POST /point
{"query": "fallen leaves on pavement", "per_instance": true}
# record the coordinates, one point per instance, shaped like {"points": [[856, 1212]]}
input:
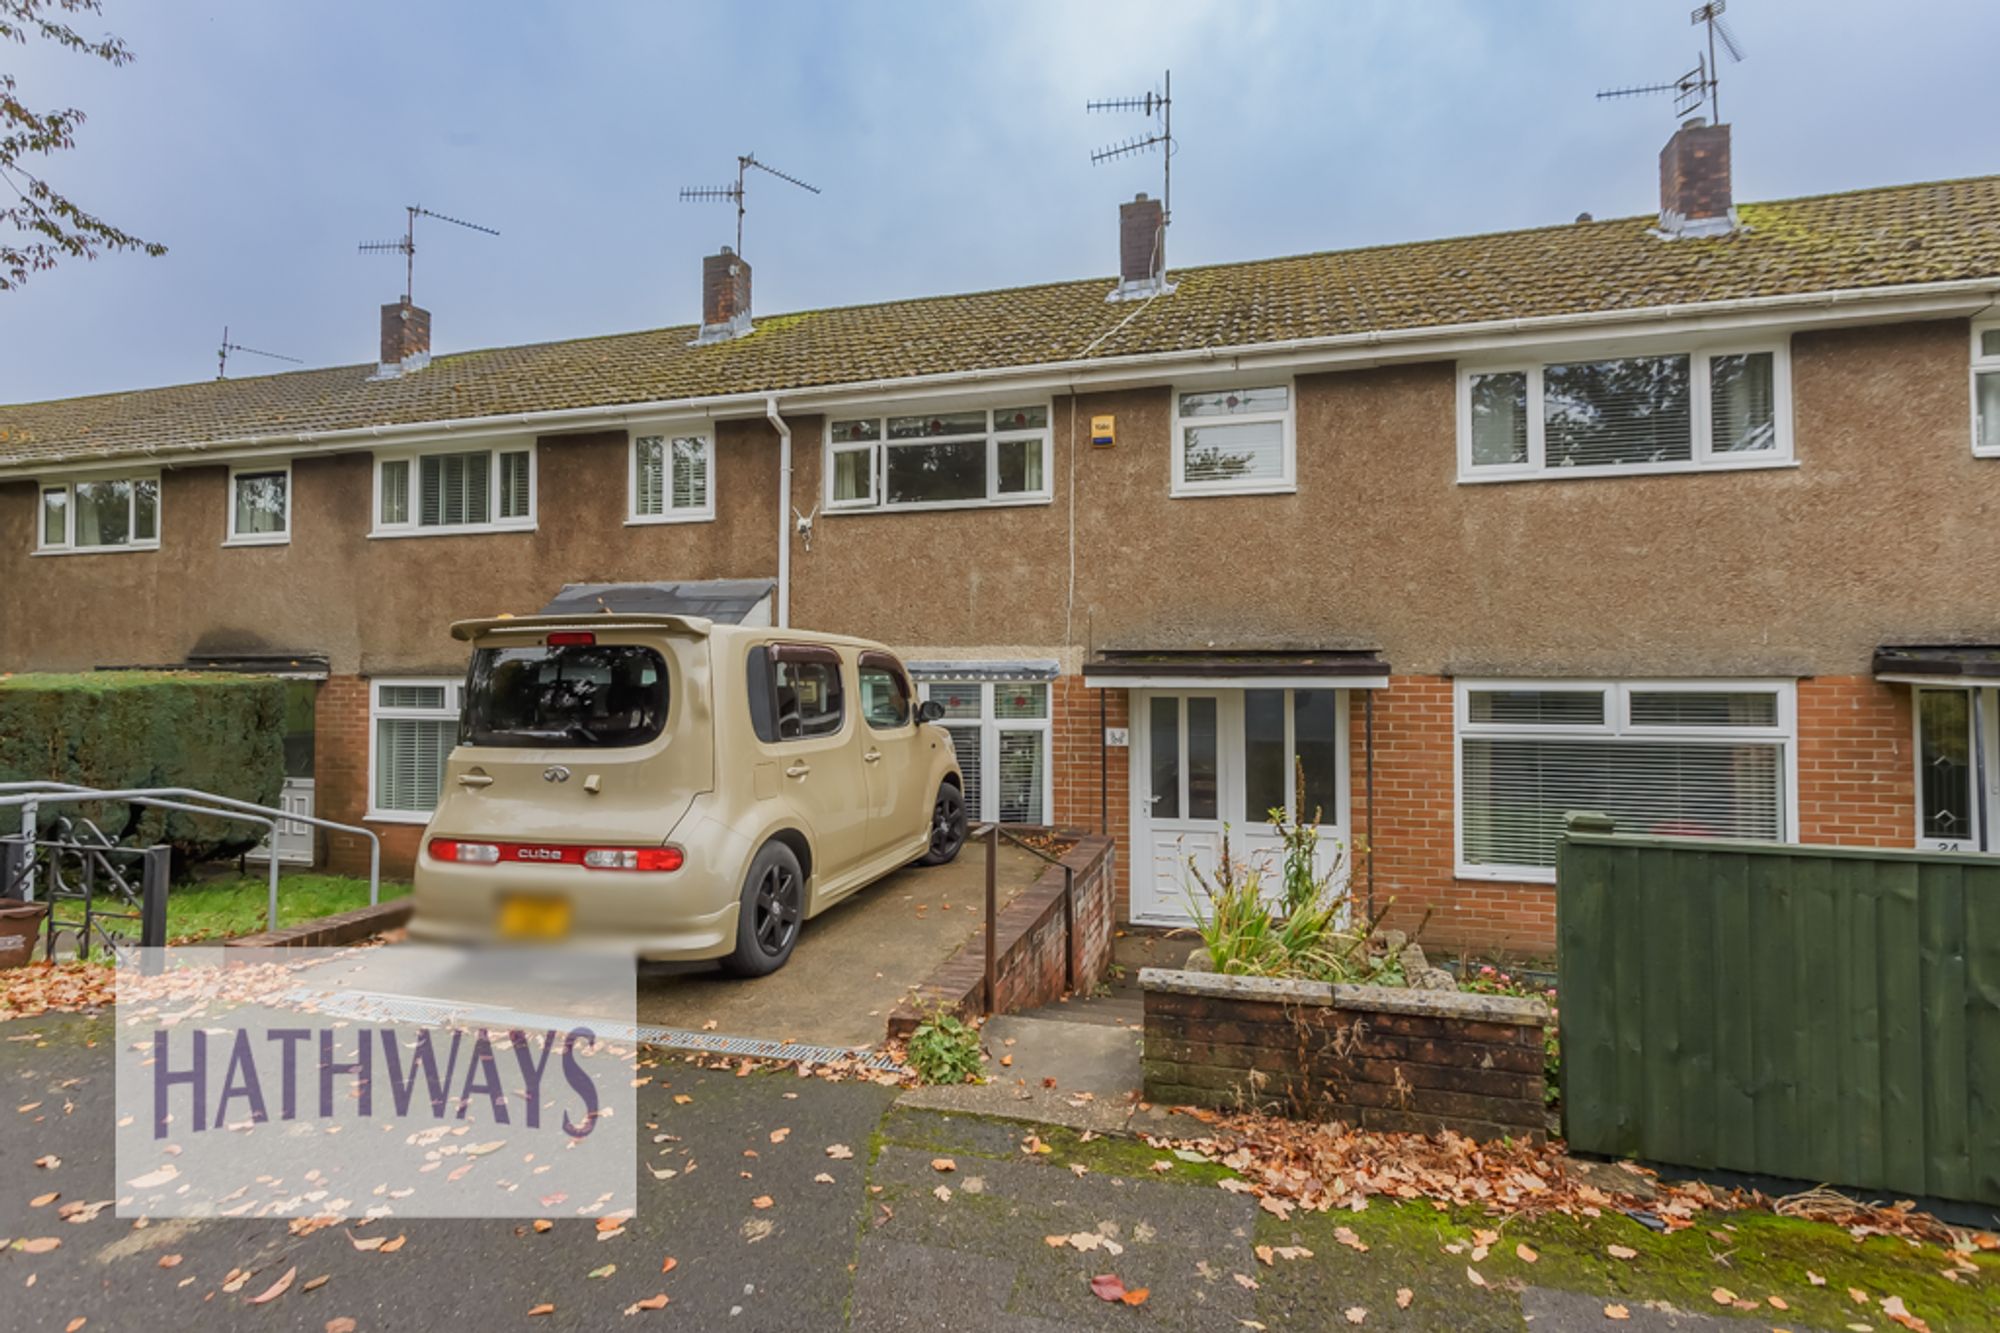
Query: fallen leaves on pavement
{"points": [[276, 1289], [1109, 1287], [658, 1302], [1357, 1314], [1616, 1312], [40, 988]]}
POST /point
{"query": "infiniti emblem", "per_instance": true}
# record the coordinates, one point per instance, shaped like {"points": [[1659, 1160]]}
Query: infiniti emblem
{"points": [[555, 773]]}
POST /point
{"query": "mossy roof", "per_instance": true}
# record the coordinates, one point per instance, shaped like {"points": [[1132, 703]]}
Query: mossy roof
{"points": [[1910, 234]]}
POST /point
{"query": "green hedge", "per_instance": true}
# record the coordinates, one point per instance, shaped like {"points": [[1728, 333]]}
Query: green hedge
{"points": [[119, 729]]}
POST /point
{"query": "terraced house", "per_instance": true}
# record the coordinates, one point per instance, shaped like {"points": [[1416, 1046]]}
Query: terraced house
{"points": [[1691, 517]]}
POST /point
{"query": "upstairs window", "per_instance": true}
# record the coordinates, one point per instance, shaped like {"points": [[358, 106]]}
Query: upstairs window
{"points": [[260, 506], [1233, 441], [672, 478], [939, 460], [1676, 759], [472, 490], [1986, 389], [102, 515], [1668, 412]]}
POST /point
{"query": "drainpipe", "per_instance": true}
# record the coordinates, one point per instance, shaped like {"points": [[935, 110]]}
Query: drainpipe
{"points": [[784, 607]]}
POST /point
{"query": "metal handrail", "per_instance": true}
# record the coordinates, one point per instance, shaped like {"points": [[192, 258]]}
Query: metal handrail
{"points": [[30, 795], [992, 833]]}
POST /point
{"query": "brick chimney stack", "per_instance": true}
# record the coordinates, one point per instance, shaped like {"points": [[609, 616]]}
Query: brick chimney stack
{"points": [[1142, 250], [406, 338], [725, 297], [1694, 181]]}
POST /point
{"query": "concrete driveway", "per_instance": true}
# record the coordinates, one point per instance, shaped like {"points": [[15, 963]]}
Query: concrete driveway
{"points": [[853, 961]]}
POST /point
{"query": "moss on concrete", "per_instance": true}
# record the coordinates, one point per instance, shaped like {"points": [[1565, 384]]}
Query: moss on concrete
{"points": [[994, 1139]]}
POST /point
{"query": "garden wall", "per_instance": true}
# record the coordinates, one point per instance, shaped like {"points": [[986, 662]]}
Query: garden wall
{"points": [[1379, 1057], [1032, 963]]}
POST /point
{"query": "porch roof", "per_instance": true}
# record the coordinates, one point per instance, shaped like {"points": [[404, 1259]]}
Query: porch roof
{"points": [[1173, 668], [1942, 663]]}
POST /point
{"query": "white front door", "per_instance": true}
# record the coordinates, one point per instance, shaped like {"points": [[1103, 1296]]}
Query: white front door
{"points": [[1210, 766], [294, 840]]}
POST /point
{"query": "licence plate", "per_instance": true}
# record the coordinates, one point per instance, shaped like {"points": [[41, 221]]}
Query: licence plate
{"points": [[534, 916]]}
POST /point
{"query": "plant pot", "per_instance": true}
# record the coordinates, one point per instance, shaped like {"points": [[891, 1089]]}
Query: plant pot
{"points": [[20, 922]]}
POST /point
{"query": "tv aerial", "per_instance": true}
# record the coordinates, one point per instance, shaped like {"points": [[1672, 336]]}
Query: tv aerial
{"points": [[407, 246], [736, 193], [1159, 109], [222, 355], [1700, 84]]}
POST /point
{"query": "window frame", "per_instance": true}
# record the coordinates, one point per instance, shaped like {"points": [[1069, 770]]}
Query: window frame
{"points": [[1702, 456], [874, 659], [1181, 488], [231, 537], [413, 454], [1984, 718], [877, 501], [989, 726], [68, 486], [453, 712], [790, 650], [1617, 724], [1982, 365], [669, 432]]}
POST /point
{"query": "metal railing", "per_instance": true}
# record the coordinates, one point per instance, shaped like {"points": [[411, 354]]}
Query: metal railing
{"points": [[29, 797], [991, 834]]}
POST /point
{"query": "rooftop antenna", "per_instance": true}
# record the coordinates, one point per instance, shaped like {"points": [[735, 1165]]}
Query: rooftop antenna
{"points": [[407, 247], [1158, 108], [222, 355], [735, 193], [1700, 84]]}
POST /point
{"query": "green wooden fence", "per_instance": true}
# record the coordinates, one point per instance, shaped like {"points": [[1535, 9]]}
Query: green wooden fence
{"points": [[1828, 1014]]}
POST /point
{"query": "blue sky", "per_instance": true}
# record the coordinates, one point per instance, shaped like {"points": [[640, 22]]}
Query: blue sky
{"points": [[262, 141]]}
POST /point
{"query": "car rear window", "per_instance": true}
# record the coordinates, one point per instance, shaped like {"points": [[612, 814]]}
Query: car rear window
{"points": [[570, 694]]}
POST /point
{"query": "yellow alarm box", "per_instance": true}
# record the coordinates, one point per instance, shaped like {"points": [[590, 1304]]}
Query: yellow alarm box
{"points": [[1103, 431]]}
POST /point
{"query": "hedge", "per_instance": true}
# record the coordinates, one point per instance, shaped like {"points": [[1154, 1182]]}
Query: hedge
{"points": [[209, 731]]}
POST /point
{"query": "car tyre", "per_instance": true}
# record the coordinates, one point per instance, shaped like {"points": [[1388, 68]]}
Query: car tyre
{"points": [[773, 910], [947, 827]]}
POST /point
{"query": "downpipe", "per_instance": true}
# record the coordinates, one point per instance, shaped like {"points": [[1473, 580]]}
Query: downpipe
{"points": [[784, 607]]}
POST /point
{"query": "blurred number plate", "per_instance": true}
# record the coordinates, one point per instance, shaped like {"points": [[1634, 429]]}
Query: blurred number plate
{"points": [[534, 916]]}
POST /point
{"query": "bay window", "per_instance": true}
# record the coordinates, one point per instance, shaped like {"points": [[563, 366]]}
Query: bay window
{"points": [[1000, 731], [1986, 389], [939, 459], [1592, 416], [466, 490], [1682, 759], [112, 514], [413, 725], [673, 477], [1233, 441]]}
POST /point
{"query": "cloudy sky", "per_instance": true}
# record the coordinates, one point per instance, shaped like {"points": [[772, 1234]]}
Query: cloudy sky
{"points": [[262, 141]]}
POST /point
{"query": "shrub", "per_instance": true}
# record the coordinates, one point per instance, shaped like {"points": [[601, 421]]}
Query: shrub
{"points": [[944, 1049], [117, 729]]}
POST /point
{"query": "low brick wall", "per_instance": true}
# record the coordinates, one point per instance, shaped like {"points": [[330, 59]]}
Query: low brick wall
{"points": [[327, 931], [1374, 1056], [1031, 964]]}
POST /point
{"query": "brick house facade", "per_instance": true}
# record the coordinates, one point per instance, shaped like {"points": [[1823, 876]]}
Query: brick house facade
{"points": [[1464, 601]]}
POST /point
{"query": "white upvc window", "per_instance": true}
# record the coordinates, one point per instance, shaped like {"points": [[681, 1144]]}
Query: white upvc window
{"points": [[260, 505], [939, 459], [427, 492], [1236, 441], [1000, 731], [1614, 414], [1700, 758], [1986, 390], [99, 514], [413, 725], [672, 476]]}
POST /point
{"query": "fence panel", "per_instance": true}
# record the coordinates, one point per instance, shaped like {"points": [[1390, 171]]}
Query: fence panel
{"points": [[1828, 1014]]}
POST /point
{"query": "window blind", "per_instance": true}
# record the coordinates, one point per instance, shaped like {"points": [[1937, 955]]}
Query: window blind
{"points": [[410, 756], [1630, 410], [690, 473], [651, 488], [1516, 792], [1742, 403], [514, 484]]}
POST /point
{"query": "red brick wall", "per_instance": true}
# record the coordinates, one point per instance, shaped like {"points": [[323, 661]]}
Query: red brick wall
{"points": [[340, 784], [1857, 762], [1077, 759]]}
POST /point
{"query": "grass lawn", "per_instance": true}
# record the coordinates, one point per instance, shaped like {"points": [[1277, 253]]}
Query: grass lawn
{"points": [[235, 904]]}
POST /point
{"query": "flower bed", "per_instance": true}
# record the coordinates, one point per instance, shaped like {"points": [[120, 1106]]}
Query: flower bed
{"points": [[1379, 1057]]}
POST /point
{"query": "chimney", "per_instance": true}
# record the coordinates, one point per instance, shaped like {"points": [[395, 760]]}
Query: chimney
{"points": [[1142, 250], [725, 298], [1694, 182], [406, 339]]}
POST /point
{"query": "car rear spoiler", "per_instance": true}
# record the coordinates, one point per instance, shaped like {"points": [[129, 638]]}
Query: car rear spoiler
{"points": [[691, 626]]}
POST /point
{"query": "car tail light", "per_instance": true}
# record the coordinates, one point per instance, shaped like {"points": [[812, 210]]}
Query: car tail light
{"points": [[572, 639], [656, 859]]}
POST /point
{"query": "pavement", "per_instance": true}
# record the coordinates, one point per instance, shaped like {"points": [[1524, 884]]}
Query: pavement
{"points": [[793, 1203], [852, 964]]}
